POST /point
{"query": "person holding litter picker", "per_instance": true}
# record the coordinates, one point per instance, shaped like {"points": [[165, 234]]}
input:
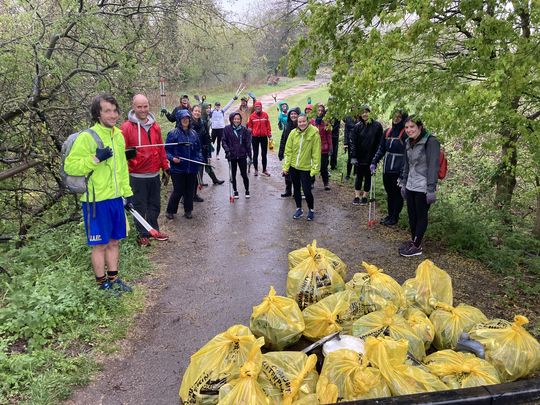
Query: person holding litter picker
{"points": [[141, 131], [185, 156], [392, 148], [418, 181], [302, 161], [292, 123], [237, 146], [108, 190], [184, 105]]}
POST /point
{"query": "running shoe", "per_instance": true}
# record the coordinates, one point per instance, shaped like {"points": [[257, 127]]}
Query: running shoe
{"points": [[298, 213]]}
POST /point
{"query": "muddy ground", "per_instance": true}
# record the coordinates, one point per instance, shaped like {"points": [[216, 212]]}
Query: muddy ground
{"points": [[221, 263]]}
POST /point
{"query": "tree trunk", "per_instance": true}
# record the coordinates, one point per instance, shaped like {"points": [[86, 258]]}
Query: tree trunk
{"points": [[506, 175], [536, 229]]}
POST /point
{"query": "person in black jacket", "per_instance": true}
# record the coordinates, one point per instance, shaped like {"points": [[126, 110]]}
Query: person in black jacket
{"points": [[392, 148], [292, 123], [184, 105], [366, 137], [350, 123]]}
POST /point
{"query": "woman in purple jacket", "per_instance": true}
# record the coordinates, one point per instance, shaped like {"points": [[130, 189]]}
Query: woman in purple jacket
{"points": [[236, 143]]}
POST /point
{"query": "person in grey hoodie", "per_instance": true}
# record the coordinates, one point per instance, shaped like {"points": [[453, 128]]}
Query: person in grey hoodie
{"points": [[418, 181], [140, 131]]}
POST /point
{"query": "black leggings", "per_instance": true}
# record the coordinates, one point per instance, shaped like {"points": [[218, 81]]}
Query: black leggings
{"points": [[335, 150], [242, 164], [363, 174], [217, 134], [393, 192], [301, 178], [417, 208], [183, 185], [255, 142], [324, 168]]}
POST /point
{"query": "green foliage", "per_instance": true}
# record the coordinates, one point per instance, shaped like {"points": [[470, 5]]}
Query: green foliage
{"points": [[52, 315]]}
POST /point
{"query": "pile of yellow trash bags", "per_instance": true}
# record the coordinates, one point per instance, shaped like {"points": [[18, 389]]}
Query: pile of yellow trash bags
{"points": [[410, 334]]}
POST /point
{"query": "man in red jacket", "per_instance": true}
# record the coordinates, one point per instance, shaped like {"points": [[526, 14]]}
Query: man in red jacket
{"points": [[259, 124], [141, 129]]}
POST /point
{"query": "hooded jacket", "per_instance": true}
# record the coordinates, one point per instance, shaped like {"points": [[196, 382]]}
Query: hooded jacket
{"points": [[236, 141], [303, 150], [326, 133], [283, 116], [192, 151], [148, 160], [200, 126], [421, 167], [289, 126], [110, 178], [259, 123], [217, 117], [365, 140], [392, 147]]}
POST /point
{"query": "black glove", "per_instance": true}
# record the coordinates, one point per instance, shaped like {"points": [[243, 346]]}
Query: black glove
{"points": [[131, 153], [228, 155], [354, 161], [163, 111], [128, 203], [103, 153], [235, 98]]}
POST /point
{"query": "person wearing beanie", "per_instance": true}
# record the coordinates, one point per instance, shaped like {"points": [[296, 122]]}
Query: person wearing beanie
{"points": [[261, 131], [244, 110], [392, 148], [325, 132], [302, 161], [237, 147], [366, 138], [292, 123], [184, 105], [185, 144]]}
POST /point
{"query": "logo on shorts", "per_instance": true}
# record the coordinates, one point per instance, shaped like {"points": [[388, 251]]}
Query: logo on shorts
{"points": [[94, 238]]}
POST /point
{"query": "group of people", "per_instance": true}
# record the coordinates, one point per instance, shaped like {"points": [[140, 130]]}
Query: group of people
{"points": [[129, 167]]}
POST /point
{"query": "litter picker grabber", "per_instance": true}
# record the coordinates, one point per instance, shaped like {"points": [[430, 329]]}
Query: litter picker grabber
{"points": [[199, 181], [196, 161], [162, 93], [371, 210], [231, 194], [162, 144], [153, 232], [240, 89]]}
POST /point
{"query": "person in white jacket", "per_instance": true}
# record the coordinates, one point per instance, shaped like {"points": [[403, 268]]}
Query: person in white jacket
{"points": [[217, 119]]}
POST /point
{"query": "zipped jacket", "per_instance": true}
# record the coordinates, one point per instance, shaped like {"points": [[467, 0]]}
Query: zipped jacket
{"points": [[282, 116], [200, 126], [326, 135], [303, 150], [236, 141], [110, 178], [259, 123], [365, 140], [421, 168], [192, 151], [288, 128], [392, 147], [149, 160]]}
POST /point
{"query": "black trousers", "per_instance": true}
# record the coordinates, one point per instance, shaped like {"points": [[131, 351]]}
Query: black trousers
{"points": [[263, 142], [349, 164], [242, 164], [393, 195], [301, 181], [288, 184], [417, 208], [363, 175], [147, 201], [217, 134], [335, 149], [183, 185], [324, 168]]}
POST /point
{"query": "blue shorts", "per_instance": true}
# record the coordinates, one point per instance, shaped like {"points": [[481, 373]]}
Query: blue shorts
{"points": [[108, 223]]}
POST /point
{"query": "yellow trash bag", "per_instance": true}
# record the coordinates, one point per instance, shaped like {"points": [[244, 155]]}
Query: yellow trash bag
{"points": [[421, 325], [429, 286], [389, 323], [513, 351], [299, 255], [461, 370], [245, 389], [346, 375], [449, 322], [288, 377], [312, 280], [335, 313], [376, 289], [216, 362], [389, 356], [278, 319]]}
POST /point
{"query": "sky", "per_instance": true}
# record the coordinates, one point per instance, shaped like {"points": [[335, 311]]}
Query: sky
{"points": [[237, 8]]}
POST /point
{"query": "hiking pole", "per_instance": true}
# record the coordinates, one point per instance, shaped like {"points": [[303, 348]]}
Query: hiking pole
{"points": [[163, 144], [371, 221], [153, 232], [231, 195], [162, 93]]}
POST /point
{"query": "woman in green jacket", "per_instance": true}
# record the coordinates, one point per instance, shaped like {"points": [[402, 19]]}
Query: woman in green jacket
{"points": [[302, 161]]}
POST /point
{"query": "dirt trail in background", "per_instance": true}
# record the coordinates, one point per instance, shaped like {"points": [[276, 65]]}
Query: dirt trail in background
{"points": [[221, 263]]}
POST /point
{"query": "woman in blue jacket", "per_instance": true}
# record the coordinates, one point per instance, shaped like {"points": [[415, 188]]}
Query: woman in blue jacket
{"points": [[183, 172]]}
